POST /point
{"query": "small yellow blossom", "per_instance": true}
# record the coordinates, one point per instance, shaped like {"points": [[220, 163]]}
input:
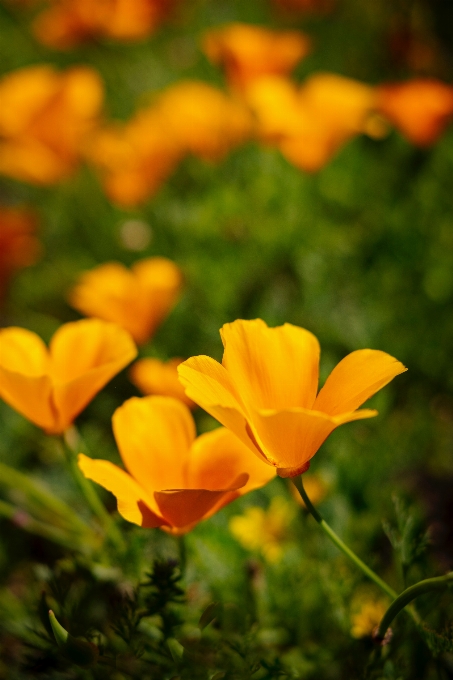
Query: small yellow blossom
{"points": [[367, 612], [264, 531]]}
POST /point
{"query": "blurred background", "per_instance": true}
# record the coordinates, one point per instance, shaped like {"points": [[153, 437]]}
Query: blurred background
{"points": [[294, 159]]}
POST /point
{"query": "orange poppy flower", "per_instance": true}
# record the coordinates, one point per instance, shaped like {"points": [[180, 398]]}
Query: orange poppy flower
{"points": [[203, 120], [173, 480], [19, 246], [265, 390], [67, 23], [248, 52], [420, 109], [135, 158], [153, 376], [45, 118], [51, 386], [309, 124], [137, 299]]}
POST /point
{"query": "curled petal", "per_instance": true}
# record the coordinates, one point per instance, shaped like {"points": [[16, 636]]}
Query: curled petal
{"points": [[134, 504], [355, 379], [154, 435], [271, 367], [208, 384], [291, 438]]}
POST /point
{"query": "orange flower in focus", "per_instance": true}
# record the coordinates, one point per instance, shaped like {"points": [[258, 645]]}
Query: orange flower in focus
{"points": [[19, 246], [309, 124], [265, 390], [137, 299], [153, 376], [134, 159], [202, 120], [45, 118], [173, 480], [248, 52], [420, 109], [67, 23], [51, 386]]}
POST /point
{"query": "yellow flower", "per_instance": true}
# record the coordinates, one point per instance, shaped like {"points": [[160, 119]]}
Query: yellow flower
{"points": [[310, 123], [45, 119], [153, 376], [421, 108], [134, 158], [203, 120], [137, 299], [367, 616], [248, 52], [264, 531], [51, 386], [69, 22], [173, 479], [265, 390]]}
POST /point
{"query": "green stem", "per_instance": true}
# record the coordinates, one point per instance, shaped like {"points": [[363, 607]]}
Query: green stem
{"points": [[339, 543], [426, 586], [72, 441]]}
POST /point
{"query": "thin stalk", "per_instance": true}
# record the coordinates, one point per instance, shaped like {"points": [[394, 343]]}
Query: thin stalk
{"points": [[42, 498], [403, 599], [23, 520], [72, 441], [340, 544]]}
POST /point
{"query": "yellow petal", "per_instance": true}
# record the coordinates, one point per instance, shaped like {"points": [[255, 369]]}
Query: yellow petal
{"points": [[154, 435], [134, 504], [24, 381], [208, 384], [355, 379], [291, 438], [217, 458], [85, 355], [184, 507], [153, 376], [271, 367]]}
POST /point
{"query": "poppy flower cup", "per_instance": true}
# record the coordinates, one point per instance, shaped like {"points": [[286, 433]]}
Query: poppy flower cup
{"points": [[266, 390], [173, 479]]}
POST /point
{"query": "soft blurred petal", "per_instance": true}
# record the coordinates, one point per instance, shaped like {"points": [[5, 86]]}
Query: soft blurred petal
{"points": [[153, 376]]}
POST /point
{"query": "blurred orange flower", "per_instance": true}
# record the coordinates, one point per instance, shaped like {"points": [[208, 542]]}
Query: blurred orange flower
{"points": [[67, 23], [203, 120], [19, 246], [135, 158], [137, 299], [265, 390], [248, 52], [420, 109], [51, 386], [153, 376], [174, 480], [310, 123], [45, 118]]}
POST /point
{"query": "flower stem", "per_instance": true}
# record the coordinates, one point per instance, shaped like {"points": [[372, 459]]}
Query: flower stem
{"points": [[339, 543], [403, 599], [72, 444]]}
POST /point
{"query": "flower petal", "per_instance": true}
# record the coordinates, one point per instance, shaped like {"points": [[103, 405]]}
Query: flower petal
{"points": [[208, 384], [271, 367], [291, 438], [355, 379], [154, 435], [24, 383], [217, 458], [134, 504], [184, 507], [153, 376], [85, 355]]}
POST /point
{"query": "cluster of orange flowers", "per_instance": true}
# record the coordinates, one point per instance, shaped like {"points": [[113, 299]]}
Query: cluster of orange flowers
{"points": [[274, 419], [51, 120]]}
